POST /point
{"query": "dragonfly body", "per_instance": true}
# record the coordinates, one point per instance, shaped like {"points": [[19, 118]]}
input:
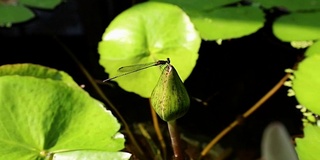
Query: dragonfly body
{"points": [[138, 67]]}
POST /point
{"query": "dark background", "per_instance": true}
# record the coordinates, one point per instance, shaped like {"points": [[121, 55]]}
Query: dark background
{"points": [[230, 77]]}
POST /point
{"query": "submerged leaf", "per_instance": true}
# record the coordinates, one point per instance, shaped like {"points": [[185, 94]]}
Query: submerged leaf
{"points": [[169, 98]]}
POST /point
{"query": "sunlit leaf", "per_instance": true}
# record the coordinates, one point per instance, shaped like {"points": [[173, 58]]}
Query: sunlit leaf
{"points": [[145, 33], [298, 27], [308, 146], [38, 71], [43, 116], [313, 49], [228, 22], [306, 83]]}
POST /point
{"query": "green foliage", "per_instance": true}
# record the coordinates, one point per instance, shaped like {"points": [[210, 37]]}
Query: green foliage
{"points": [[14, 14], [43, 113], [291, 5], [17, 12], [298, 27], [146, 33], [213, 21], [306, 83], [308, 146], [169, 98]]}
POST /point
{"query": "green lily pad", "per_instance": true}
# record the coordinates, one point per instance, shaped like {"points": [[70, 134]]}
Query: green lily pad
{"points": [[313, 49], [308, 146], [44, 4], [228, 22], [145, 33], [40, 117], [306, 83], [200, 5], [38, 71], [291, 5], [14, 14], [298, 27]]}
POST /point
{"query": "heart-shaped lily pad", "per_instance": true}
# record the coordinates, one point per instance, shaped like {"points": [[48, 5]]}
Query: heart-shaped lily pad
{"points": [[145, 33], [41, 117]]}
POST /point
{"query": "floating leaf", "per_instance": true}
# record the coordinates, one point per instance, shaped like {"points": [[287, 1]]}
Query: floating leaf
{"points": [[40, 117], [306, 83], [169, 98], [38, 71], [14, 14], [228, 22], [200, 5], [144, 33], [298, 27], [44, 4], [313, 49], [308, 146], [291, 5]]}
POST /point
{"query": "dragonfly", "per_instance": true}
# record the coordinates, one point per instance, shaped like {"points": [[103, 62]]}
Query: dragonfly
{"points": [[138, 67]]}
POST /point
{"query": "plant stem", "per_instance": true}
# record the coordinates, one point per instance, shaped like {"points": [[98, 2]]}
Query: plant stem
{"points": [[158, 132], [245, 115], [175, 140]]}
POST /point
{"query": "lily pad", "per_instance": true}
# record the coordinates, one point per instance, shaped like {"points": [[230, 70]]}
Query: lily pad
{"points": [[227, 22], [298, 27], [45, 4], [200, 5], [145, 33], [291, 5], [35, 70], [308, 146], [41, 117], [314, 49], [306, 83], [14, 14]]}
